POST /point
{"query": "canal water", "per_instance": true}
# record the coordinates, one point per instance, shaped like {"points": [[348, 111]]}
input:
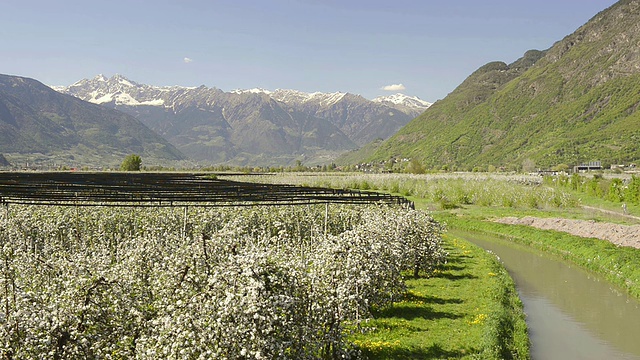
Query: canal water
{"points": [[571, 313]]}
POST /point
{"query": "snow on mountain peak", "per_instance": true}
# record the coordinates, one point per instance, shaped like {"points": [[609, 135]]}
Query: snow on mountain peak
{"points": [[122, 80], [251, 91], [117, 89], [125, 82], [327, 98], [122, 91], [293, 96], [403, 100]]}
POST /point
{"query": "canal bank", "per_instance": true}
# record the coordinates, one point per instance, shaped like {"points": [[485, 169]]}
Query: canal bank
{"points": [[467, 309], [571, 313], [620, 265]]}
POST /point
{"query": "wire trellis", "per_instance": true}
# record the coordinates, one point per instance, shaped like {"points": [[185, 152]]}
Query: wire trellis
{"points": [[168, 189]]}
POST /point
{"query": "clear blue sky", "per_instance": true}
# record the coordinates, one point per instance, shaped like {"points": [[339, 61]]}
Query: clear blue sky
{"points": [[356, 46]]}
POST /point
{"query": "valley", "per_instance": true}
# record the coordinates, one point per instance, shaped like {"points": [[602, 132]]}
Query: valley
{"points": [[262, 222]]}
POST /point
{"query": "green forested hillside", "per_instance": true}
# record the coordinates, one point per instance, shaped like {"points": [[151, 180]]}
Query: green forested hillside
{"points": [[576, 102]]}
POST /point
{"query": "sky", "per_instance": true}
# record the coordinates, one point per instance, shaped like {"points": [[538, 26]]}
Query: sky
{"points": [[423, 48]]}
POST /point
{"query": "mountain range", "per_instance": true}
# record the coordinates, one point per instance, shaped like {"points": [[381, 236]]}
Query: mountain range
{"points": [[574, 103], [38, 124], [255, 126]]}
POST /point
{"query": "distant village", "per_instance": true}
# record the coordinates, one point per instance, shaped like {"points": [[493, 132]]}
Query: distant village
{"points": [[393, 165], [592, 166]]}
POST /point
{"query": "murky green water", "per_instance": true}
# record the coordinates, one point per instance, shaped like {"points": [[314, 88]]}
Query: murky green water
{"points": [[571, 313]]}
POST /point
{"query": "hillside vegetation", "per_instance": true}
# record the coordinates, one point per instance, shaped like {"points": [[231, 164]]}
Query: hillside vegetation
{"points": [[576, 102]]}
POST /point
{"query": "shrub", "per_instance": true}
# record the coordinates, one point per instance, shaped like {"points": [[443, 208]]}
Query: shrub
{"points": [[131, 163]]}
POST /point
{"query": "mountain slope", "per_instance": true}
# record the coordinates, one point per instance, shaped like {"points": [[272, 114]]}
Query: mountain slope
{"points": [[36, 119], [577, 103], [249, 127], [4, 161]]}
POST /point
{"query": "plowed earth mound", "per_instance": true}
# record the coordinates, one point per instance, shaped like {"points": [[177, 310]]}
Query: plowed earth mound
{"points": [[623, 235]]}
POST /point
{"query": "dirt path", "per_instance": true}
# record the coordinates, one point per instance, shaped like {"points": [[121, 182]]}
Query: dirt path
{"points": [[623, 235]]}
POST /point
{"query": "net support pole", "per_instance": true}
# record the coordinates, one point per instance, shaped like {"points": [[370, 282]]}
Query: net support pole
{"points": [[326, 218], [184, 223]]}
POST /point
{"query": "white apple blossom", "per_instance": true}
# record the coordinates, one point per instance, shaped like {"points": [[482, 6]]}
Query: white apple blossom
{"points": [[199, 283]]}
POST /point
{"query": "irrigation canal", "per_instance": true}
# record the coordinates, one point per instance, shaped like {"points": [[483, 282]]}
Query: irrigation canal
{"points": [[571, 313]]}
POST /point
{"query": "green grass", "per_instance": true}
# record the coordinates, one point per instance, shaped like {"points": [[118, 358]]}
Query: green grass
{"points": [[467, 309]]}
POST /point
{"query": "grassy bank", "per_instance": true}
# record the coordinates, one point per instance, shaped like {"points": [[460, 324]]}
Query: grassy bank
{"points": [[469, 309], [619, 265]]}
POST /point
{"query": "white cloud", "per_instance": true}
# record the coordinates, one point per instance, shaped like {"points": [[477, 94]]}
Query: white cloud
{"points": [[394, 87], [188, 60]]}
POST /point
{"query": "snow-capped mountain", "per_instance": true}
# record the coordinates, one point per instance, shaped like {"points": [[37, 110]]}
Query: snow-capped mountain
{"points": [[409, 102], [119, 90], [249, 126], [122, 91], [35, 119], [251, 91], [294, 97]]}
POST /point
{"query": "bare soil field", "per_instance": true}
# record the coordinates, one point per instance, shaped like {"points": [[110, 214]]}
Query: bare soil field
{"points": [[623, 235]]}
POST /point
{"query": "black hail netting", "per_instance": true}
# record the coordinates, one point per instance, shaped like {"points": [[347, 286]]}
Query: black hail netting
{"points": [[168, 189]]}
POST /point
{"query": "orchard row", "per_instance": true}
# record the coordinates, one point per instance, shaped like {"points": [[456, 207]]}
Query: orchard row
{"points": [[186, 282]]}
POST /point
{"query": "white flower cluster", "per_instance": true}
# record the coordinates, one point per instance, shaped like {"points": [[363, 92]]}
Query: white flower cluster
{"points": [[459, 189], [202, 283]]}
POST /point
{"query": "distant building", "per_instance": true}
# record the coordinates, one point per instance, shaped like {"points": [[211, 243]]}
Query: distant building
{"points": [[593, 165], [622, 167]]}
